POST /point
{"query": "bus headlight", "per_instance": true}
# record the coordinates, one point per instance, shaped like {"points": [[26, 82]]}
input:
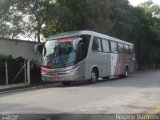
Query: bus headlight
{"points": [[72, 68]]}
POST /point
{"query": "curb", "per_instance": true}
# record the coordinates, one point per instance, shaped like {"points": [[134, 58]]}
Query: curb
{"points": [[3, 87], [138, 71], [26, 87]]}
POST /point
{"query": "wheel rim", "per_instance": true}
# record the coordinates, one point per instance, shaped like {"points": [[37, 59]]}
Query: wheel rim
{"points": [[126, 73], [94, 77]]}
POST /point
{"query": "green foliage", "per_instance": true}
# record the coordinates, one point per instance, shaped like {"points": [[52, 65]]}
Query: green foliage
{"points": [[139, 25], [5, 57], [23, 17]]}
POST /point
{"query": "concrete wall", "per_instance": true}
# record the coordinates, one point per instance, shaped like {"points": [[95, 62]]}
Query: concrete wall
{"points": [[18, 48]]}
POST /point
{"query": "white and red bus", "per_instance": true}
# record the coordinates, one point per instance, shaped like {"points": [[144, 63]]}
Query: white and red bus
{"points": [[85, 55]]}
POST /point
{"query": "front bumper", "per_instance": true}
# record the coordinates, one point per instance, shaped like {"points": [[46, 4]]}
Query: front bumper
{"points": [[61, 75]]}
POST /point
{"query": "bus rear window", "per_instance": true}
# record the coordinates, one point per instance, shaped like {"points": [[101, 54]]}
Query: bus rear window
{"points": [[131, 49], [120, 47], [126, 47]]}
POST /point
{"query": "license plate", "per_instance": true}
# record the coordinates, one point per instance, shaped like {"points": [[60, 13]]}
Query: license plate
{"points": [[55, 78]]}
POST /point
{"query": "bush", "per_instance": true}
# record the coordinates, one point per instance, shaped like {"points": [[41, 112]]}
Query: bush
{"points": [[4, 58]]}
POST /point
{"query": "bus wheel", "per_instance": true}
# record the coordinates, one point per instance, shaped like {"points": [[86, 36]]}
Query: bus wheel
{"points": [[106, 78], [94, 76], [126, 72], [66, 83]]}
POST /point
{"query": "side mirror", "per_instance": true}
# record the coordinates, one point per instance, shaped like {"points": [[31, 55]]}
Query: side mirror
{"points": [[39, 47]]}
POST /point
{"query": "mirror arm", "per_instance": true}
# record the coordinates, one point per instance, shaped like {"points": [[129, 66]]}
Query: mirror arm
{"points": [[38, 47]]}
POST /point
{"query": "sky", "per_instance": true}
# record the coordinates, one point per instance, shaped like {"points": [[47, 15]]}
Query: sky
{"points": [[136, 2]]}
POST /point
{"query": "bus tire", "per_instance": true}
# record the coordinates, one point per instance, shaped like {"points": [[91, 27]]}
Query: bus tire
{"points": [[94, 76], [66, 83], [126, 72], [106, 78]]}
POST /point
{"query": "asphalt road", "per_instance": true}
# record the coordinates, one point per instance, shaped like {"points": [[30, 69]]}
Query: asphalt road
{"points": [[139, 93]]}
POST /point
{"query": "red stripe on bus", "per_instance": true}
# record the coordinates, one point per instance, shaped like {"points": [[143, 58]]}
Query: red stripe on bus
{"points": [[46, 70], [122, 65], [66, 39]]}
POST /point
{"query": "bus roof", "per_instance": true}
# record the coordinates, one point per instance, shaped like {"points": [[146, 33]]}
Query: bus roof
{"points": [[86, 32]]}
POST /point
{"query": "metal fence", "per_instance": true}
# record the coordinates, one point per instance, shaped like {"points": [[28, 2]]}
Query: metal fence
{"points": [[19, 71], [147, 67]]}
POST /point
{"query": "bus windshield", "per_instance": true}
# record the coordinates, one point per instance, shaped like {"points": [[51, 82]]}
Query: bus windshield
{"points": [[58, 53]]}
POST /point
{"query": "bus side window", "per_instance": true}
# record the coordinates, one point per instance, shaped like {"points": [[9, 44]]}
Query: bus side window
{"points": [[120, 47], [105, 45], [113, 47], [131, 49], [126, 47], [96, 46]]}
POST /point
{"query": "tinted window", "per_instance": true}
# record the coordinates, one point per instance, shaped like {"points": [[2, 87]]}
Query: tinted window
{"points": [[105, 45], [126, 47], [83, 47], [120, 47], [131, 49], [96, 46], [113, 47]]}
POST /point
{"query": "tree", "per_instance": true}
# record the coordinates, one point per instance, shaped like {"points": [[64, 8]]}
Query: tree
{"points": [[37, 13], [9, 21], [21, 17], [150, 33], [71, 15], [42, 18]]}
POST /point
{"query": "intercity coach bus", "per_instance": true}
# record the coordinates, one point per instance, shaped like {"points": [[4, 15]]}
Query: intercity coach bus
{"points": [[85, 55]]}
